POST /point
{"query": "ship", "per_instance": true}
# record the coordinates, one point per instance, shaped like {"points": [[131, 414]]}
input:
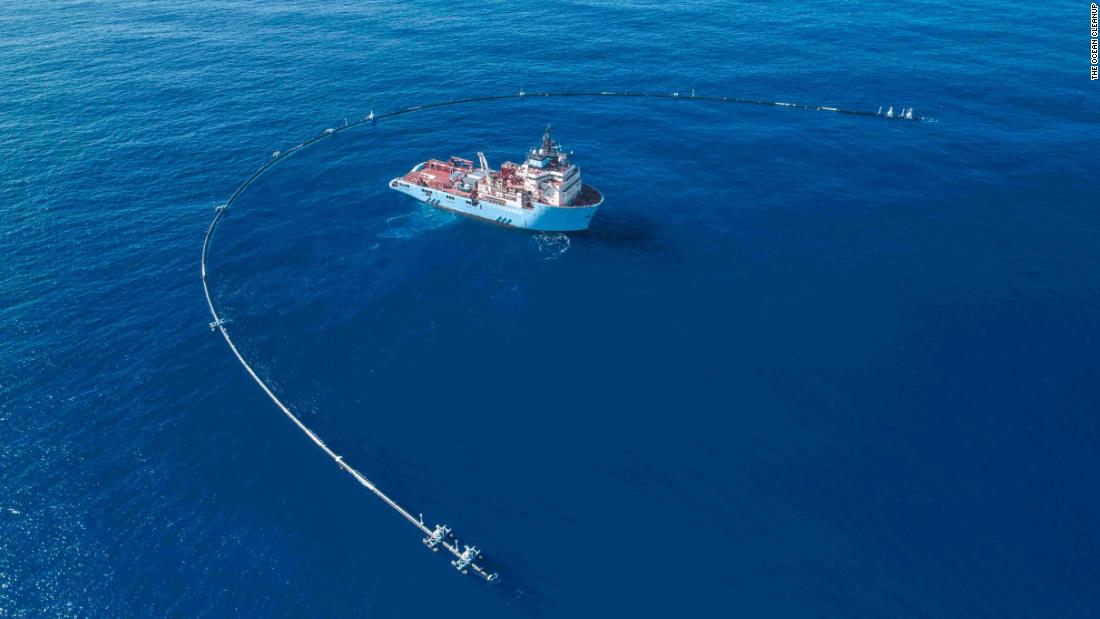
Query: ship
{"points": [[543, 193]]}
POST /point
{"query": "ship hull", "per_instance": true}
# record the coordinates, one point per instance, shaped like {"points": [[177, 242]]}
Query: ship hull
{"points": [[541, 217]]}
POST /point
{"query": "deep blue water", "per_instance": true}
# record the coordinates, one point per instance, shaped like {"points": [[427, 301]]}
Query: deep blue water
{"points": [[803, 364]]}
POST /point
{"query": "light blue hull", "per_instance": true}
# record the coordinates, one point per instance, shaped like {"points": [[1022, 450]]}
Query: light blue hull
{"points": [[541, 217]]}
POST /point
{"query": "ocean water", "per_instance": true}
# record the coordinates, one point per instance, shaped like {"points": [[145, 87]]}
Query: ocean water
{"points": [[803, 364]]}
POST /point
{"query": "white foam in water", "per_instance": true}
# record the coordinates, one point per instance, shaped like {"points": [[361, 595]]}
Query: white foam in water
{"points": [[416, 222], [552, 244]]}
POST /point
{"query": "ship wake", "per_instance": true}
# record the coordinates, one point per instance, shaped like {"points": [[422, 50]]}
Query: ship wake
{"points": [[422, 220]]}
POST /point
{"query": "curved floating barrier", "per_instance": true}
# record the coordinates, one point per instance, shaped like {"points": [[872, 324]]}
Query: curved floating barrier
{"points": [[440, 536]]}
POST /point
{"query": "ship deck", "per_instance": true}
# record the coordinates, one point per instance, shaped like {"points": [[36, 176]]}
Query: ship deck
{"points": [[589, 196], [436, 174]]}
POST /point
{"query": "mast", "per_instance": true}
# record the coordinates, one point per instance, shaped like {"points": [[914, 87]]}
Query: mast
{"points": [[547, 141]]}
